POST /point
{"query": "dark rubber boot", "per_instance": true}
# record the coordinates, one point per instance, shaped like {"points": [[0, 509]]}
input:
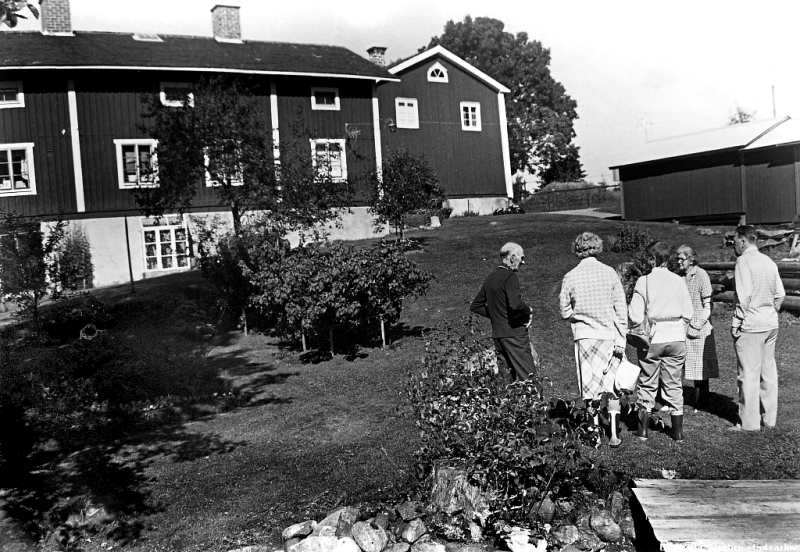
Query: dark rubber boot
{"points": [[677, 427], [702, 394], [644, 425]]}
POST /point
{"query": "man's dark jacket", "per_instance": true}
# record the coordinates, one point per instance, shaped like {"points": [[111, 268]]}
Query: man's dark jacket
{"points": [[499, 300]]}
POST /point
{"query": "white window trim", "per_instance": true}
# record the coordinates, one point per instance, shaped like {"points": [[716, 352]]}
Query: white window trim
{"points": [[20, 95], [477, 105], [28, 147], [173, 103], [181, 223], [438, 65], [324, 107], [213, 183], [120, 165], [341, 143], [398, 119]]}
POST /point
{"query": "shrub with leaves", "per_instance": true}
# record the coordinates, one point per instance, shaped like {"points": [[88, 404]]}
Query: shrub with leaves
{"points": [[74, 260], [631, 237], [65, 320]]}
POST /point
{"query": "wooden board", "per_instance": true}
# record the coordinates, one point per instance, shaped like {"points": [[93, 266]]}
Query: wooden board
{"points": [[722, 515]]}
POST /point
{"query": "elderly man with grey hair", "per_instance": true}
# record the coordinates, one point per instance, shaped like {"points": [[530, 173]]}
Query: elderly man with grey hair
{"points": [[500, 301], [593, 301]]}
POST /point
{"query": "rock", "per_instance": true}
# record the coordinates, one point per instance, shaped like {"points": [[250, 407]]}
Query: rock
{"points": [[427, 546], [290, 543], [628, 528], [570, 548], [605, 527], [452, 492], [254, 548], [543, 512], [332, 519], [315, 544], [566, 535], [399, 547], [565, 506], [471, 548], [327, 531], [616, 505], [346, 544], [589, 541], [382, 520], [410, 510], [347, 518], [585, 523], [299, 530], [475, 532], [370, 538], [416, 528]]}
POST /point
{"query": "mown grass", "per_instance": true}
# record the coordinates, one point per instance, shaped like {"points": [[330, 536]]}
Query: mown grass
{"points": [[565, 196], [320, 432]]}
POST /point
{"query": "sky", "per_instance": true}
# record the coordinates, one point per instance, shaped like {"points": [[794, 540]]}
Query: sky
{"points": [[638, 70]]}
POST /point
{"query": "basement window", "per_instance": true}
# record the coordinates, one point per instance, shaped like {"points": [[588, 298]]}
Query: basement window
{"points": [[166, 243]]}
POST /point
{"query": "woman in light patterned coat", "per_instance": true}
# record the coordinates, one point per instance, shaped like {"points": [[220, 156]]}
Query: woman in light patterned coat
{"points": [[701, 350], [593, 300]]}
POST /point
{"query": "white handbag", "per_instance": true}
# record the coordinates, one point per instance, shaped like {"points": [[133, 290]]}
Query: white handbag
{"points": [[627, 376]]}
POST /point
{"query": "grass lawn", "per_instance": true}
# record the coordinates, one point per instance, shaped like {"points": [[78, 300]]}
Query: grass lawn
{"points": [[320, 432]]}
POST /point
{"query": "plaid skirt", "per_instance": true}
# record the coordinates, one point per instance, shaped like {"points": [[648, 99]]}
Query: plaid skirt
{"points": [[701, 358], [592, 358]]}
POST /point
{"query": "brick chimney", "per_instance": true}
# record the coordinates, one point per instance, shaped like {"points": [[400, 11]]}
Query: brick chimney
{"points": [[377, 55], [226, 23], [56, 17]]}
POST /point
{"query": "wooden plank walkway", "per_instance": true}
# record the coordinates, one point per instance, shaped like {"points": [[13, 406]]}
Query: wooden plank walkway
{"points": [[718, 515]]}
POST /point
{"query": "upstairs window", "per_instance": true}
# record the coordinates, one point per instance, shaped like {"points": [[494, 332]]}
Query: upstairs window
{"points": [[325, 99], [470, 116], [174, 94], [329, 158], [135, 162], [437, 73], [406, 112], [166, 243], [16, 170], [11, 94]]}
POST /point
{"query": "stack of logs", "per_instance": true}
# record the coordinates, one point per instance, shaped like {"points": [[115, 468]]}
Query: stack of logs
{"points": [[721, 275]]}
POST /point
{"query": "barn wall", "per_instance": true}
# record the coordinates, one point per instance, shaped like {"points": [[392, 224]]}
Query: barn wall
{"points": [[770, 185]]}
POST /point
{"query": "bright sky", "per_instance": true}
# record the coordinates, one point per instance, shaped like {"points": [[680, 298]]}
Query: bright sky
{"points": [[670, 68]]}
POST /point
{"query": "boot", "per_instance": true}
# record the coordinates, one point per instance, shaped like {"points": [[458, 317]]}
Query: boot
{"points": [[701, 387], [677, 427], [644, 425], [615, 441]]}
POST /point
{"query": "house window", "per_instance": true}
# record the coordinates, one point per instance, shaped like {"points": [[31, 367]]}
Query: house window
{"points": [[236, 179], [325, 98], [329, 158], [166, 243], [11, 94], [136, 162], [406, 112], [16, 170], [437, 73], [470, 116], [174, 94]]}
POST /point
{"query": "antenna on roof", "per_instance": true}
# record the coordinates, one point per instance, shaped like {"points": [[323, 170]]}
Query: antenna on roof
{"points": [[644, 123]]}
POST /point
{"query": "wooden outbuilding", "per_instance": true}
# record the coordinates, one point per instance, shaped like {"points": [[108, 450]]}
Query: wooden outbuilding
{"points": [[747, 173]]}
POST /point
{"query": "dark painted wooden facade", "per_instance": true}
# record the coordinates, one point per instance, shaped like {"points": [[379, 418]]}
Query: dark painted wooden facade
{"points": [[761, 184], [468, 163]]}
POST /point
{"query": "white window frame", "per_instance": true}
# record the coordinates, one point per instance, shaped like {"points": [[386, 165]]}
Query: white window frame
{"points": [[410, 119], [213, 183], [468, 126], [5, 149], [432, 78], [119, 143], [174, 103], [20, 102], [173, 223], [341, 143], [324, 107]]}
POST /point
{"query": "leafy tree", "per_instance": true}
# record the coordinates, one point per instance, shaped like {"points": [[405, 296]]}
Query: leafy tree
{"points": [[741, 115], [74, 259], [404, 184], [540, 112], [9, 12], [221, 138]]}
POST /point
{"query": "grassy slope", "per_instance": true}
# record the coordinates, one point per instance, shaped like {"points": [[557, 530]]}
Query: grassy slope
{"points": [[323, 434]]}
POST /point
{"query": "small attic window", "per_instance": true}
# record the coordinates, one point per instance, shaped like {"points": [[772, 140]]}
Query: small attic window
{"points": [[147, 37], [437, 73]]}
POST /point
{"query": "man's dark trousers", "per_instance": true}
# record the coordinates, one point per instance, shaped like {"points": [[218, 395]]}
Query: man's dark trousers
{"points": [[514, 352]]}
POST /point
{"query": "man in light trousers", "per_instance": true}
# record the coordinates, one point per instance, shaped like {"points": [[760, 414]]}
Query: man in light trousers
{"points": [[759, 294]]}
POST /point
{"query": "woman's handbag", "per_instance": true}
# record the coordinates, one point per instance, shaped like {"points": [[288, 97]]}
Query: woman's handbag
{"points": [[639, 335], [627, 376]]}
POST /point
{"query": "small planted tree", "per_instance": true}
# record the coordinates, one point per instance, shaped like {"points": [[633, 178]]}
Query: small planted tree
{"points": [[74, 260], [403, 185]]}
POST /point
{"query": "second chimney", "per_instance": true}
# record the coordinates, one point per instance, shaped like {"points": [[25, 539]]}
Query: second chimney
{"points": [[226, 23], [56, 17], [377, 55]]}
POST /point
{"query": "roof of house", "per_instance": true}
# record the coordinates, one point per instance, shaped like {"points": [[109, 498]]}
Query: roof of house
{"points": [[450, 56], [96, 50], [786, 133], [729, 137]]}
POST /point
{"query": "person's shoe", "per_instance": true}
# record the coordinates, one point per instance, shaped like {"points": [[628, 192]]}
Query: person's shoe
{"points": [[644, 425], [677, 427], [737, 427], [615, 441]]}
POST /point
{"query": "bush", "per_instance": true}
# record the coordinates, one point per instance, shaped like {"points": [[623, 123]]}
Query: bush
{"points": [[74, 260], [631, 237], [66, 319]]}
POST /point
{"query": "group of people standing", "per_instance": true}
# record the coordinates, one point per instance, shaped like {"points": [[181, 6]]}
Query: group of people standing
{"points": [[673, 302]]}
